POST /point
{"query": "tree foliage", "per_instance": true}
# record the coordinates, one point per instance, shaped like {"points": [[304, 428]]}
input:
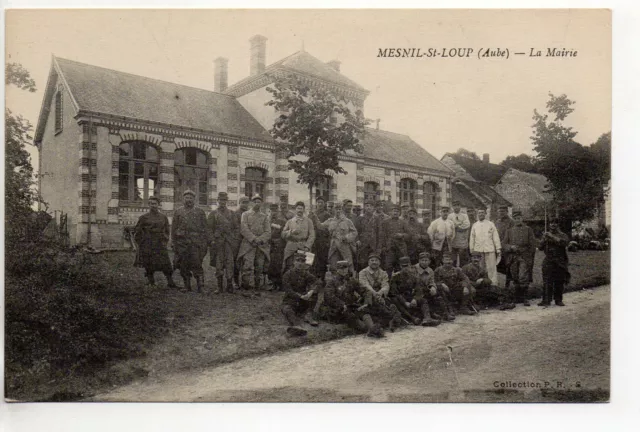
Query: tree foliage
{"points": [[467, 153], [522, 162], [19, 195], [572, 170], [315, 124]]}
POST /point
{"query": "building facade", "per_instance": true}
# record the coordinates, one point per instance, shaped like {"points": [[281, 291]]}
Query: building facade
{"points": [[109, 140]]}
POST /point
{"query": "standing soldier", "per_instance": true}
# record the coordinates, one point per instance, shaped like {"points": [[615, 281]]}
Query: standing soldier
{"points": [[347, 206], [520, 245], [503, 223], [380, 211], [404, 210], [243, 206], [151, 236], [442, 232], [254, 249], [300, 295], [277, 247], [299, 234], [330, 209], [190, 237], [456, 284], [393, 240], [485, 240], [357, 211], [419, 240], [368, 227], [426, 218], [321, 245], [555, 266], [460, 244], [284, 208], [222, 254], [343, 235]]}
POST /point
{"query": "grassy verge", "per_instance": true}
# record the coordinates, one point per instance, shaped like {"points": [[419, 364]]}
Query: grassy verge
{"points": [[78, 324]]}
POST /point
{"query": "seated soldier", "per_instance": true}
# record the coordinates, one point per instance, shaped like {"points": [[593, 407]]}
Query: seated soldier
{"points": [[486, 293], [456, 284], [300, 295], [376, 284], [342, 300], [434, 295], [407, 293]]}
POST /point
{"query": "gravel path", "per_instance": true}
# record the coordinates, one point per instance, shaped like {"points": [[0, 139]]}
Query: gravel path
{"points": [[524, 355]]}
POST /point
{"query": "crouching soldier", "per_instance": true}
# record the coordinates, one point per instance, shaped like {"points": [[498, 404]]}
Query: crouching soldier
{"points": [[407, 294], [343, 300], [376, 284], [486, 293], [300, 295], [453, 281], [434, 295]]}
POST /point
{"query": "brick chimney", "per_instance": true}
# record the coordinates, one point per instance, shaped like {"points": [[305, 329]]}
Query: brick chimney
{"points": [[335, 65], [220, 74], [485, 158], [258, 53]]}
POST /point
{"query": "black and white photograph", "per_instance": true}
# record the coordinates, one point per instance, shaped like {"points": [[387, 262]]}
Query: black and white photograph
{"points": [[356, 205]]}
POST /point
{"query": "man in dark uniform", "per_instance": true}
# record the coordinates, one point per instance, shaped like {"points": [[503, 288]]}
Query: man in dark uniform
{"points": [[357, 210], [323, 239], [380, 211], [190, 236], [435, 296], [277, 247], [407, 294], [300, 295], [393, 240], [419, 240], [456, 284], [555, 266], [503, 222], [520, 244], [376, 284], [347, 206], [152, 235], [486, 293], [368, 227], [342, 300], [222, 254], [284, 208]]}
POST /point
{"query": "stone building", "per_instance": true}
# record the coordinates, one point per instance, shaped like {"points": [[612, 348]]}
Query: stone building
{"points": [[108, 140]]}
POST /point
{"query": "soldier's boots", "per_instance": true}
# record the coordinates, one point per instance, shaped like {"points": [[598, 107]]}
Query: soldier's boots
{"points": [[151, 281], [219, 286], [521, 295], [296, 331], [525, 301], [427, 321], [396, 318], [187, 284], [199, 283], [373, 329], [170, 281], [308, 318], [546, 297]]}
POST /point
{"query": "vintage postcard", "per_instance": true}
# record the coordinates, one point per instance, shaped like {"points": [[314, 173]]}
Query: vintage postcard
{"points": [[308, 205]]}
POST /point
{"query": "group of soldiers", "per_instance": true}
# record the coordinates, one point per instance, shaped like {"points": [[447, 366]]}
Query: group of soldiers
{"points": [[373, 268]]}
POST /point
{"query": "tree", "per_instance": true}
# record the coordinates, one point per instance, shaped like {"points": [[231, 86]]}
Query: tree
{"points": [[572, 170], [522, 162], [308, 126], [601, 151], [467, 153], [19, 195]]}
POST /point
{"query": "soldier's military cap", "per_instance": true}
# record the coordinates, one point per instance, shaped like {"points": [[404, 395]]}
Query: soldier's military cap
{"points": [[412, 210], [300, 203], [379, 204], [374, 255], [273, 206], [516, 213], [346, 201], [223, 196], [424, 255], [395, 206], [503, 207], [300, 255], [154, 198], [320, 198], [338, 206], [476, 254], [255, 197], [446, 254], [189, 192], [369, 202], [404, 261], [357, 207], [342, 264], [444, 208], [405, 205]]}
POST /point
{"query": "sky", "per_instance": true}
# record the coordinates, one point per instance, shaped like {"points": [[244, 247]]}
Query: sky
{"points": [[484, 105]]}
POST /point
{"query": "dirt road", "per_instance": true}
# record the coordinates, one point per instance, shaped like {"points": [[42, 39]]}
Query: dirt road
{"points": [[525, 355]]}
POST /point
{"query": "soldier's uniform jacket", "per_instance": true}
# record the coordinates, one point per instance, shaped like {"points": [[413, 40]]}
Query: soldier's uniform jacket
{"points": [[502, 225], [523, 239], [441, 230], [368, 228], [474, 272], [453, 277], [224, 225], [343, 234], [388, 230], [426, 276], [374, 281], [306, 235], [556, 251], [340, 291], [190, 226], [298, 281], [255, 226], [419, 240], [405, 285]]}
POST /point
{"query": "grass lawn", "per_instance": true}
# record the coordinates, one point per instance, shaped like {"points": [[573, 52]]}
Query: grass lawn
{"points": [[146, 334]]}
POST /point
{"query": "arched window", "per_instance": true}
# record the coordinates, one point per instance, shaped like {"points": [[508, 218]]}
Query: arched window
{"points": [[408, 191], [191, 171], [323, 188], [138, 172], [431, 197], [255, 181], [371, 191]]}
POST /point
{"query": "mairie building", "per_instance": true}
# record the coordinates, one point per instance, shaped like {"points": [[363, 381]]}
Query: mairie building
{"points": [[109, 140]]}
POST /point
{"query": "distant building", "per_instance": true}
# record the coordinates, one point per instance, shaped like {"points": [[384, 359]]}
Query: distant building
{"points": [[109, 140], [524, 190]]}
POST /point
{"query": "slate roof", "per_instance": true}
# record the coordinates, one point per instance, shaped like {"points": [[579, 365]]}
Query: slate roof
{"points": [[397, 148], [483, 172], [305, 63], [121, 94], [523, 190], [480, 191], [467, 199]]}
